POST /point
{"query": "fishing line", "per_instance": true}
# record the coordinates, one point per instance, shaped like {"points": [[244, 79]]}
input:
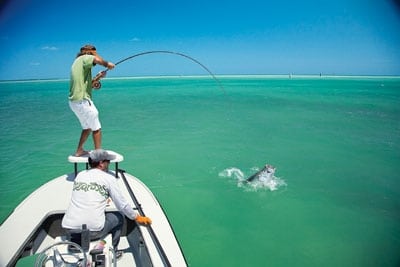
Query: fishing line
{"points": [[97, 84]]}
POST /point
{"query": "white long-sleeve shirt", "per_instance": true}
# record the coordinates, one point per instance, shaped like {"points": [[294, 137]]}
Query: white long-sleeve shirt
{"points": [[89, 199]]}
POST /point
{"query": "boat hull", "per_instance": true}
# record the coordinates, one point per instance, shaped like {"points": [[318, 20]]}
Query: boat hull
{"points": [[36, 224]]}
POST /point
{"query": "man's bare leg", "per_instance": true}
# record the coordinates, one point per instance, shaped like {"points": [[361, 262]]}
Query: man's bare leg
{"points": [[97, 139], [84, 136]]}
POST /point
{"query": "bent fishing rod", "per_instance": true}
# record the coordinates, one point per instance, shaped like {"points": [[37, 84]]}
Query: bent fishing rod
{"points": [[96, 80]]}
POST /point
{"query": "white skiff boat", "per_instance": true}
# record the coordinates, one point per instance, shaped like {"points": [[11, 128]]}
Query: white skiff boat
{"points": [[32, 234]]}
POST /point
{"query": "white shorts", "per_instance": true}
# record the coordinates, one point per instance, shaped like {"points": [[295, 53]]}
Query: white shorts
{"points": [[87, 114]]}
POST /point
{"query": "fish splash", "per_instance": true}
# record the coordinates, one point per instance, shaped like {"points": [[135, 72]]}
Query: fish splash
{"points": [[264, 180]]}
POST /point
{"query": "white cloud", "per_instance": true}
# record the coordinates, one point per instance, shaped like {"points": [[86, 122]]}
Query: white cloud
{"points": [[50, 48], [134, 39], [34, 63]]}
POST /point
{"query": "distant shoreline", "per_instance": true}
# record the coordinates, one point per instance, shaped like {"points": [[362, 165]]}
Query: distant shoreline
{"points": [[226, 76]]}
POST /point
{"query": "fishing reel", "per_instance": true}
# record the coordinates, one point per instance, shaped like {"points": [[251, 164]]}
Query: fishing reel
{"points": [[96, 84]]}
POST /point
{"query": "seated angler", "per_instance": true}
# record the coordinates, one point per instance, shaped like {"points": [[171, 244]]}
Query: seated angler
{"points": [[90, 193]]}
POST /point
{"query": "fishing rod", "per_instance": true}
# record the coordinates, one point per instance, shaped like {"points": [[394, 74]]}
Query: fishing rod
{"points": [[96, 80]]}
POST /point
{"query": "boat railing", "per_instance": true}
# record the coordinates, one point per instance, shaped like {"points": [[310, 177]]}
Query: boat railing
{"points": [[159, 247]]}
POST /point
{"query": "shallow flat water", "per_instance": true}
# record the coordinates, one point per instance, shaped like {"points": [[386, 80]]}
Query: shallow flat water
{"points": [[334, 141]]}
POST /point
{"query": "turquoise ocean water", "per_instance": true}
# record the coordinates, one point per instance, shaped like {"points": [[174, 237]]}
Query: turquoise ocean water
{"points": [[335, 142]]}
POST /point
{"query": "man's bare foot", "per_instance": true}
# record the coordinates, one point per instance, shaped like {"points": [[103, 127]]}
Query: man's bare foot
{"points": [[81, 153]]}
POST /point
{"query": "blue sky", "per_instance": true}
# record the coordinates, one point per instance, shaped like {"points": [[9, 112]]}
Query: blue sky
{"points": [[40, 38]]}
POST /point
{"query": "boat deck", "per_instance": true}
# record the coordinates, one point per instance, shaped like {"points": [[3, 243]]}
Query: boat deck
{"points": [[29, 236]]}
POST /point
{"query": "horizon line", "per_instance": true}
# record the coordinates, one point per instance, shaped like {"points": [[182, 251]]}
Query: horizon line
{"points": [[289, 76]]}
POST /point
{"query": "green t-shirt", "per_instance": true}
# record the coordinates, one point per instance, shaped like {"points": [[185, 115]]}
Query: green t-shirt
{"points": [[80, 86]]}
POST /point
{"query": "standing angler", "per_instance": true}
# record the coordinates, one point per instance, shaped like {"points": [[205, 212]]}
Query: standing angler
{"points": [[80, 95]]}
